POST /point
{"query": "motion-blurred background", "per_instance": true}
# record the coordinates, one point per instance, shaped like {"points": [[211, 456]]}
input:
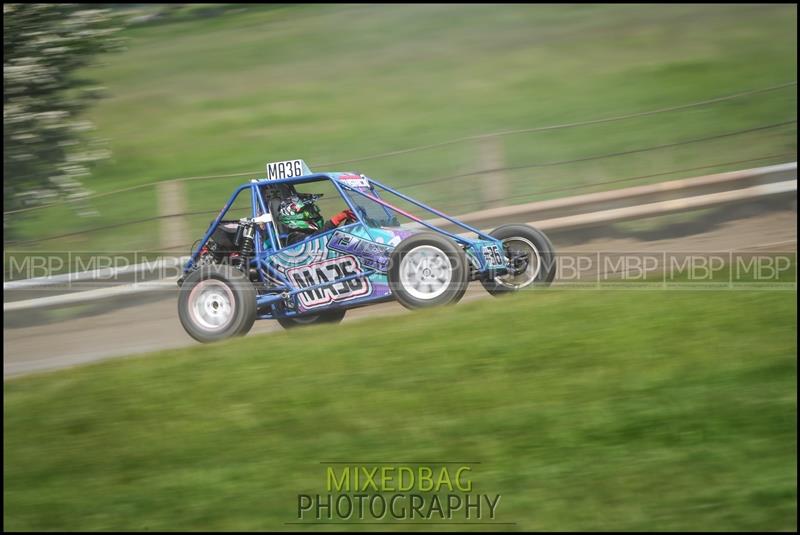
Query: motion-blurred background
{"points": [[204, 92], [126, 127]]}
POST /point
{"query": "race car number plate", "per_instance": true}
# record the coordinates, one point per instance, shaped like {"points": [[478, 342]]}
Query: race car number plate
{"points": [[492, 255], [287, 169]]}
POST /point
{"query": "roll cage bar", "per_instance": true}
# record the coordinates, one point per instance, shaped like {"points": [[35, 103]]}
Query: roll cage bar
{"points": [[259, 208]]}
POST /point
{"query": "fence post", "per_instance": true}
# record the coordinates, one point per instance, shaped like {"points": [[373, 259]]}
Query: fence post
{"points": [[494, 185], [172, 200]]}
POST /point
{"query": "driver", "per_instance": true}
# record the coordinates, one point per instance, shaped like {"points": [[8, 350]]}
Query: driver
{"points": [[300, 216]]}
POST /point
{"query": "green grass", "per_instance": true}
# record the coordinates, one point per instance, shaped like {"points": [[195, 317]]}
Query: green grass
{"points": [[587, 410], [326, 83]]}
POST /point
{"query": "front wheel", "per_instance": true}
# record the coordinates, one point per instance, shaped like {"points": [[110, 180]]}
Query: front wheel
{"points": [[329, 316], [428, 269], [216, 302], [532, 259]]}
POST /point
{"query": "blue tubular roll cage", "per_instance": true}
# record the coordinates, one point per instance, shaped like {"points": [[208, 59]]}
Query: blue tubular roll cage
{"points": [[432, 210], [456, 237], [260, 260], [257, 203]]}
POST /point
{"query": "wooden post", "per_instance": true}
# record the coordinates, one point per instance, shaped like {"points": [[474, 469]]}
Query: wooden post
{"points": [[494, 185], [172, 200]]}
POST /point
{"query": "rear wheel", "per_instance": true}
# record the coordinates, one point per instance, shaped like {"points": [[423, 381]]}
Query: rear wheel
{"points": [[427, 270], [329, 316], [216, 302], [531, 257]]}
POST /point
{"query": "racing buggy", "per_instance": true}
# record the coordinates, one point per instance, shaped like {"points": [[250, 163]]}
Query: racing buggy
{"points": [[255, 267]]}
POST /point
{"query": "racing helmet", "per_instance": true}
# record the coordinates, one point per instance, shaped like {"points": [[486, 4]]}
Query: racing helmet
{"points": [[300, 213]]}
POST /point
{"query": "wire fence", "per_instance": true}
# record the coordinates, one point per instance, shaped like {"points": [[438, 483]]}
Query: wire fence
{"points": [[506, 168], [547, 128], [629, 179], [602, 156], [473, 205], [572, 124], [460, 205]]}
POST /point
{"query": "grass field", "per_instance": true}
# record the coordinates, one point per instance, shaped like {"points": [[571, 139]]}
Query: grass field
{"points": [[604, 410], [330, 82]]}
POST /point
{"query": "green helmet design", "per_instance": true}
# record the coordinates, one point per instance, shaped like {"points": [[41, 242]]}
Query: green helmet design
{"points": [[298, 213]]}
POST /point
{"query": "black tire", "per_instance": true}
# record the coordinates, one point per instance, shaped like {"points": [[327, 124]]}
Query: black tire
{"points": [[437, 247], [235, 298], [329, 316], [545, 256]]}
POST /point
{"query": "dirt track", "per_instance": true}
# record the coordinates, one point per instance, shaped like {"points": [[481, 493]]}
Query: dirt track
{"points": [[152, 326]]}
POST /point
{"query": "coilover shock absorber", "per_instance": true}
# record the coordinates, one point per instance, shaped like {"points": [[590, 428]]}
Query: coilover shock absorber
{"points": [[248, 244], [244, 241]]}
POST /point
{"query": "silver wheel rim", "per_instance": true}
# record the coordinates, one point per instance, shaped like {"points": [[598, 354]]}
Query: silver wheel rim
{"points": [[425, 272], [211, 305], [530, 274]]}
